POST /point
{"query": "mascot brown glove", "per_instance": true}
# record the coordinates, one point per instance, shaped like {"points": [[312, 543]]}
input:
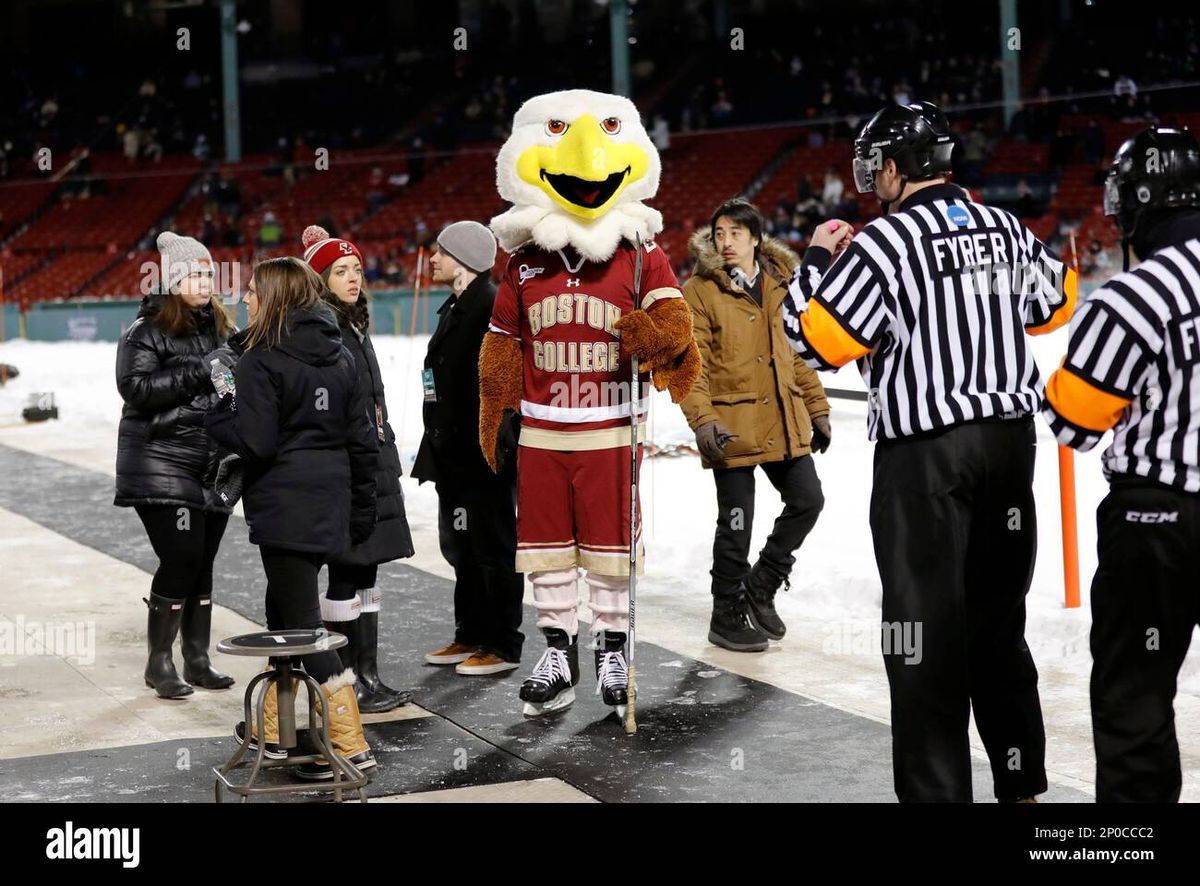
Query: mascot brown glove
{"points": [[661, 338], [501, 384]]}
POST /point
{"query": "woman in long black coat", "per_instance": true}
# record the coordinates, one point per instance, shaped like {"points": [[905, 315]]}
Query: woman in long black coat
{"points": [[299, 420], [353, 600], [166, 460]]}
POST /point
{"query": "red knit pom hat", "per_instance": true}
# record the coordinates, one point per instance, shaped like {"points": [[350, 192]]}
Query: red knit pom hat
{"points": [[321, 250]]}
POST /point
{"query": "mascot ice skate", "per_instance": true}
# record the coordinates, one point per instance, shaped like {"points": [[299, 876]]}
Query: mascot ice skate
{"points": [[569, 316]]}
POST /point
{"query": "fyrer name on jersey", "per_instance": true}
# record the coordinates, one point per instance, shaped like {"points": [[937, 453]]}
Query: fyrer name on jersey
{"points": [[960, 252]]}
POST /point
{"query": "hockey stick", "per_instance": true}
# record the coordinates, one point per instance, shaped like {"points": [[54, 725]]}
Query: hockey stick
{"points": [[630, 715], [634, 400]]}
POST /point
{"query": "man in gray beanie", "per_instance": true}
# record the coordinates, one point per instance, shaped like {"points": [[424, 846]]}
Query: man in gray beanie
{"points": [[469, 245], [476, 509], [180, 256]]}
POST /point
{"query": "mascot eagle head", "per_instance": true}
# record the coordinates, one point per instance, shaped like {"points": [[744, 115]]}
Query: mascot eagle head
{"points": [[576, 169]]}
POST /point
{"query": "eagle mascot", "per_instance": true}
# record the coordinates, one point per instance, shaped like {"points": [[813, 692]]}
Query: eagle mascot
{"points": [[585, 291]]}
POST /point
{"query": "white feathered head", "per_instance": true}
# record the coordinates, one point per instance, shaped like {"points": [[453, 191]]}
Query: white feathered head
{"points": [[576, 168]]}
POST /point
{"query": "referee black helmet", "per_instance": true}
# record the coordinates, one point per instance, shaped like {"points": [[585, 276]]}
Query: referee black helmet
{"points": [[1158, 168], [916, 137]]}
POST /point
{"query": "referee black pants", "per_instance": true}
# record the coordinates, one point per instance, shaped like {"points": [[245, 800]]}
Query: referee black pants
{"points": [[952, 516], [1145, 605]]}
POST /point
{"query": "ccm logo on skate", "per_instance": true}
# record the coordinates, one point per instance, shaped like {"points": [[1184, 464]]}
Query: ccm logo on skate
{"points": [[69, 843], [1152, 516]]}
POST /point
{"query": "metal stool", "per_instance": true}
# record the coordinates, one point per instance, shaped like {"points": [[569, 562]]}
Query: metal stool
{"points": [[284, 646]]}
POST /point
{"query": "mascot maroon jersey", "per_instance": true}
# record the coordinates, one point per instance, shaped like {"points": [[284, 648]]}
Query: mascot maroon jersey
{"points": [[564, 311]]}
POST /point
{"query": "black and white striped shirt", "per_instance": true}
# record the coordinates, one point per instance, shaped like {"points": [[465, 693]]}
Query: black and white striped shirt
{"points": [[934, 302], [1133, 362]]}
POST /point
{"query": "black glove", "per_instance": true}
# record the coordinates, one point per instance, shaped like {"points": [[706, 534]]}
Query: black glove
{"points": [[225, 404], [712, 438], [822, 433], [220, 413], [224, 354], [221, 375], [506, 441]]}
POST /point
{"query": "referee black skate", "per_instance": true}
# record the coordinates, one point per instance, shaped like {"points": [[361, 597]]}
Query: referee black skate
{"points": [[1133, 364], [934, 301]]}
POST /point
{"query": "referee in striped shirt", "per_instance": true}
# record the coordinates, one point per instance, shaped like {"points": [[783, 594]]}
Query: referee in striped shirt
{"points": [[1133, 365], [934, 301]]}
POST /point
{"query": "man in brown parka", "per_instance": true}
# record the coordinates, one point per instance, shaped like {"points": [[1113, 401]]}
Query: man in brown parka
{"points": [[755, 403]]}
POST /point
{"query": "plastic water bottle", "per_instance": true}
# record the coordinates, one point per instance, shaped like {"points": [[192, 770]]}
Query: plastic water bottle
{"points": [[222, 378]]}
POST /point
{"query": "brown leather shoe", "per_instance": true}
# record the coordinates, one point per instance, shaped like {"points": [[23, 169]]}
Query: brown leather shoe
{"points": [[484, 662], [452, 654]]}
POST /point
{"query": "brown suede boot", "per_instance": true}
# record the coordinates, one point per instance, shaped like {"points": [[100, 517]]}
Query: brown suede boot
{"points": [[345, 728], [270, 725]]}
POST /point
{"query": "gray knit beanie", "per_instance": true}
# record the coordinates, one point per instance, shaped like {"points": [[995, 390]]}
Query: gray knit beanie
{"points": [[471, 244], [179, 257]]}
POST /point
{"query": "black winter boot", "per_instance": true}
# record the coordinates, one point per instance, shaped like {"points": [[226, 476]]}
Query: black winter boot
{"points": [[368, 702], [194, 638], [162, 626], [348, 629], [761, 584], [731, 627], [368, 663]]}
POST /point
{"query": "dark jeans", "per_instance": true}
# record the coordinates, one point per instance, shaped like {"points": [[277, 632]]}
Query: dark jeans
{"points": [[185, 541], [799, 487], [1145, 605], [293, 603], [955, 533], [477, 528]]}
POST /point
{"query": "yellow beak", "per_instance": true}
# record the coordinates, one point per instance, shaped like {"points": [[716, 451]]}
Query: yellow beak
{"points": [[585, 171]]}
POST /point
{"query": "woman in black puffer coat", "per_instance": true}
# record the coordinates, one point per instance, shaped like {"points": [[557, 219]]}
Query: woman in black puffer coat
{"points": [[299, 419], [166, 460], [352, 602]]}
